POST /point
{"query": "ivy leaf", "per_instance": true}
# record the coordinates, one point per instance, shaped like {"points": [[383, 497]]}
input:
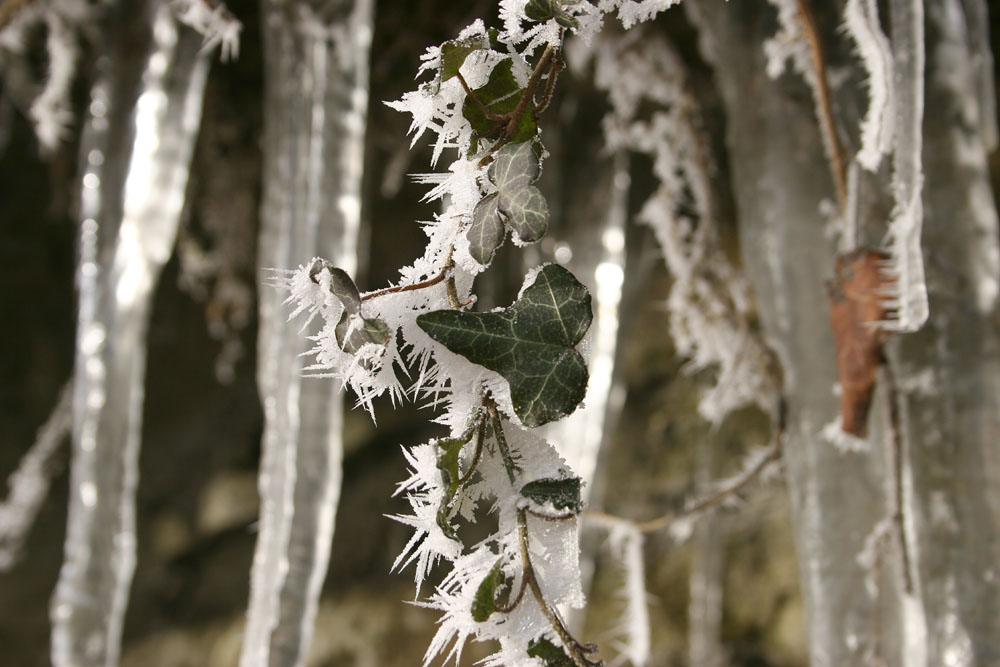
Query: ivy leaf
{"points": [[341, 285], [486, 233], [554, 656], [484, 604], [561, 494], [526, 212], [529, 343], [516, 202], [500, 95], [454, 52]]}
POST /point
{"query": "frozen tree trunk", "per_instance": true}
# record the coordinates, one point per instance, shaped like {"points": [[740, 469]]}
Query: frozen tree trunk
{"points": [[316, 95], [947, 373], [780, 176], [136, 151]]}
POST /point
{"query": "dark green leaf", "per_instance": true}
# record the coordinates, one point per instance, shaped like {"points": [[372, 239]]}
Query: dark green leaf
{"points": [[561, 494], [554, 656], [484, 603], [530, 344], [543, 10], [549, 652], [486, 232], [526, 211], [500, 95]]}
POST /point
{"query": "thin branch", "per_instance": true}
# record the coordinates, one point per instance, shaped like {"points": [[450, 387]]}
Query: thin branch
{"points": [[824, 106], [489, 113], [477, 454], [558, 64], [576, 650], [508, 460], [449, 265], [715, 499]]}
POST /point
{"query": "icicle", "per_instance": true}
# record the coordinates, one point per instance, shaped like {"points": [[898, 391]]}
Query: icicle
{"points": [[907, 266], [978, 20], [136, 154], [29, 485], [627, 541], [579, 436], [707, 573], [315, 101]]}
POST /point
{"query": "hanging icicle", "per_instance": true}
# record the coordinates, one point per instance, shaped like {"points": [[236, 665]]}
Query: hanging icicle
{"points": [[316, 97], [136, 152], [906, 268]]}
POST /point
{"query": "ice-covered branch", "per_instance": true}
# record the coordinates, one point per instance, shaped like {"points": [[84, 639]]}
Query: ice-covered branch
{"points": [[862, 22]]}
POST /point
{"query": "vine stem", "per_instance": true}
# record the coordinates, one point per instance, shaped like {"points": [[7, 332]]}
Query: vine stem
{"points": [[824, 107], [529, 580]]}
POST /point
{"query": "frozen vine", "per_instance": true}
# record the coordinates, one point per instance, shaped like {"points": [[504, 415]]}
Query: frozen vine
{"points": [[495, 375]]}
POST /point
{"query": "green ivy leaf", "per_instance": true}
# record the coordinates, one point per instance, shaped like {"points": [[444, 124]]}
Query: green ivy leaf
{"points": [[530, 344], [454, 52], [485, 603], [486, 233], [500, 94], [516, 202], [526, 211], [552, 655], [561, 494]]}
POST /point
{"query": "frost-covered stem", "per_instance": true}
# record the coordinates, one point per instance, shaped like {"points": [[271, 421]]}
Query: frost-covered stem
{"points": [[508, 460], [824, 108], [136, 157], [316, 94], [29, 484], [528, 96], [477, 453], [895, 471], [573, 647]]}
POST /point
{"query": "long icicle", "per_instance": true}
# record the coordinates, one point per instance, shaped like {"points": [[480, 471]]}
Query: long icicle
{"points": [[131, 201], [315, 100]]}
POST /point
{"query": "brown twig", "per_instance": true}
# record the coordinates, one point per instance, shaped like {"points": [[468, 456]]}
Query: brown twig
{"points": [[824, 107], [550, 84]]}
